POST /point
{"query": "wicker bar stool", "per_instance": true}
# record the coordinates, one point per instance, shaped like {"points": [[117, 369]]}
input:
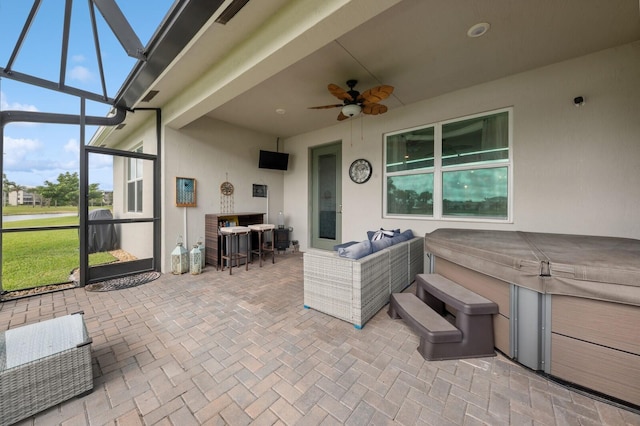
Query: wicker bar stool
{"points": [[231, 234], [261, 229]]}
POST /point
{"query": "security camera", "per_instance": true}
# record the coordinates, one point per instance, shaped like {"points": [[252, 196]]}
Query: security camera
{"points": [[578, 101]]}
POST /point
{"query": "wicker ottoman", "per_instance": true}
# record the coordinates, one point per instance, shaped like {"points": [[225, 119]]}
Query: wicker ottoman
{"points": [[42, 365]]}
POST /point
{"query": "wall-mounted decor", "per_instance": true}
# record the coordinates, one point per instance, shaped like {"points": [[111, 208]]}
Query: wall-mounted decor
{"points": [[226, 196], [185, 192], [259, 190], [360, 170]]}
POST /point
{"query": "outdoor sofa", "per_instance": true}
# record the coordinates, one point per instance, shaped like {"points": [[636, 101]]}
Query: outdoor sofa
{"points": [[355, 288]]}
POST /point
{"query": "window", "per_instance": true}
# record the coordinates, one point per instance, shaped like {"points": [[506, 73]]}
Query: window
{"points": [[134, 183], [451, 170]]}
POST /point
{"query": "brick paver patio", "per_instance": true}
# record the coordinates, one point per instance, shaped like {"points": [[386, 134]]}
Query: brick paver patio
{"points": [[241, 349]]}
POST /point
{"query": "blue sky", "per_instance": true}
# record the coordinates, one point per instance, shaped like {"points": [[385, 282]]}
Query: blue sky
{"points": [[34, 152]]}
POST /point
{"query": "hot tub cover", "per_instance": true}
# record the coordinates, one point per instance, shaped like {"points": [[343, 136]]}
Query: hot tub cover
{"points": [[602, 268]]}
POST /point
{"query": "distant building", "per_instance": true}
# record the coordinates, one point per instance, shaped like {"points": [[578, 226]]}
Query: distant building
{"points": [[21, 197]]}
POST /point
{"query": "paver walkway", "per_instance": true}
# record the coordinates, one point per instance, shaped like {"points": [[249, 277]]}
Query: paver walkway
{"points": [[241, 349]]}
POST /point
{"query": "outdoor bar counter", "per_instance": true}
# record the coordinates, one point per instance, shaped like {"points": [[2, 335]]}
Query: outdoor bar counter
{"points": [[569, 305]]}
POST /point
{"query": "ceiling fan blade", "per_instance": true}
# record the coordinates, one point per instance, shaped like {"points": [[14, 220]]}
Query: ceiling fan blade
{"points": [[326, 106], [375, 94], [374, 109], [341, 116], [339, 92]]}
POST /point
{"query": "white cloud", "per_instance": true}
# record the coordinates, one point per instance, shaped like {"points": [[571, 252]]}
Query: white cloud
{"points": [[81, 73], [99, 161], [72, 146], [5, 105], [77, 58], [17, 151]]}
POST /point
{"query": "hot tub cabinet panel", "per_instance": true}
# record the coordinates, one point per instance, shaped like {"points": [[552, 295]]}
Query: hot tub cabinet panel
{"points": [[607, 324], [579, 297], [596, 367], [587, 333]]}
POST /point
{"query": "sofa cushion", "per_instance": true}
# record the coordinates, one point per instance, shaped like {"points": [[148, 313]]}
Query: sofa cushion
{"points": [[356, 251], [383, 243]]}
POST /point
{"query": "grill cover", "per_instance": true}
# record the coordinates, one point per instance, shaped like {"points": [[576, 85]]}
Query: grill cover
{"points": [[102, 237]]}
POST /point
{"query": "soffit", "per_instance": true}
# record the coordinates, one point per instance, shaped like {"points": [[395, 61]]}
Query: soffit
{"points": [[421, 48], [418, 46]]}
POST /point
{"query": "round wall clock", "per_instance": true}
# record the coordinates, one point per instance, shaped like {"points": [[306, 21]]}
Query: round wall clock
{"points": [[360, 171], [226, 188]]}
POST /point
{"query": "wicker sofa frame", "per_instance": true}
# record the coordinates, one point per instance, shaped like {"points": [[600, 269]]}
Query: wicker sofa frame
{"points": [[355, 290]]}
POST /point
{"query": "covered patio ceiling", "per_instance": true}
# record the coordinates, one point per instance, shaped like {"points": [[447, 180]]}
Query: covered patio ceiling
{"points": [[420, 47]]}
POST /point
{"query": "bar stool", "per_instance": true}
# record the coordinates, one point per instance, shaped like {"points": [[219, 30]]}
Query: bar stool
{"points": [[232, 233], [261, 228]]}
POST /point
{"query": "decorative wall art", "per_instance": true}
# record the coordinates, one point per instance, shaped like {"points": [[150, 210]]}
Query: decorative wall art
{"points": [[226, 196], [259, 190], [185, 192]]}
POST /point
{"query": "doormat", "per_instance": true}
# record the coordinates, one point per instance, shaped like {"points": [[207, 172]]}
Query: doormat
{"points": [[123, 282]]}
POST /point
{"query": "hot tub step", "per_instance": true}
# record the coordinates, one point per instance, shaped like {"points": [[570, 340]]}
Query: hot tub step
{"points": [[472, 335], [422, 319], [439, 339], [473, 313]]}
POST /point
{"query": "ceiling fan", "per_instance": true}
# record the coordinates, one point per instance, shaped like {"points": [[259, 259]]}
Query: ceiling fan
{"points": [[355, 102]]}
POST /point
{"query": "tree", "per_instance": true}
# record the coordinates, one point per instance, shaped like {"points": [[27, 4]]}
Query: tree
{"points": [[7, 187], [95, 194], [66, 192], [36, 197], [39, 191]]}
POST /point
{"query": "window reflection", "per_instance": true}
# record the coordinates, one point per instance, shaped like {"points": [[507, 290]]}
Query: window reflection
{"points": [[410, 194], [465, 164], [411, 150], [479, 192], [476, 140]]}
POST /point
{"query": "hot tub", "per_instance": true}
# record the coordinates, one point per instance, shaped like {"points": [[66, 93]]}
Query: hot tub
{"points": [[569, 304]]}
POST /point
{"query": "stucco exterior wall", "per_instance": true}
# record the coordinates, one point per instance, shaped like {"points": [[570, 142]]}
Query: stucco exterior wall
{"points": [[213, 152], [136, 238], [575, 169]]}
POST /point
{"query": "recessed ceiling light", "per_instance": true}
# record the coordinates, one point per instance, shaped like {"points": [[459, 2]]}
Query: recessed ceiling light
{"points": [[478, 29], [280, 111]]}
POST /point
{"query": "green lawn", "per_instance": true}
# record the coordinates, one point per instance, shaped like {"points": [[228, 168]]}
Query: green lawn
{"points": [[37, 258], [24, 209]]}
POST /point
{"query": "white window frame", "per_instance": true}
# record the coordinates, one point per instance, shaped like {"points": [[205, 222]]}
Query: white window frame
{"points": [[137, 180], [438, 169]]}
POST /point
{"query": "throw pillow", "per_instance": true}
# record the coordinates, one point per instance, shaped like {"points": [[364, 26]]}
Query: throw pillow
{"points": [[404, 236], [344, 245], [356, 251], [381, 233], [408, 234]]}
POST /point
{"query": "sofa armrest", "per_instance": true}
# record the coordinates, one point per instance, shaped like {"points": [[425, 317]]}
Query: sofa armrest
{"points": [[346, 288], [328, 283]]}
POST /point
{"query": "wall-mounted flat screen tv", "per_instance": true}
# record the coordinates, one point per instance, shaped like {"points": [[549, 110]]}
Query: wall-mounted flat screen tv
{"points": [[273, 160]]}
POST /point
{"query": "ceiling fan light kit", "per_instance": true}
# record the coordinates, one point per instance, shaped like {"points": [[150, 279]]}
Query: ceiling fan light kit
{"points": [[354, 102], [351, 110]]}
